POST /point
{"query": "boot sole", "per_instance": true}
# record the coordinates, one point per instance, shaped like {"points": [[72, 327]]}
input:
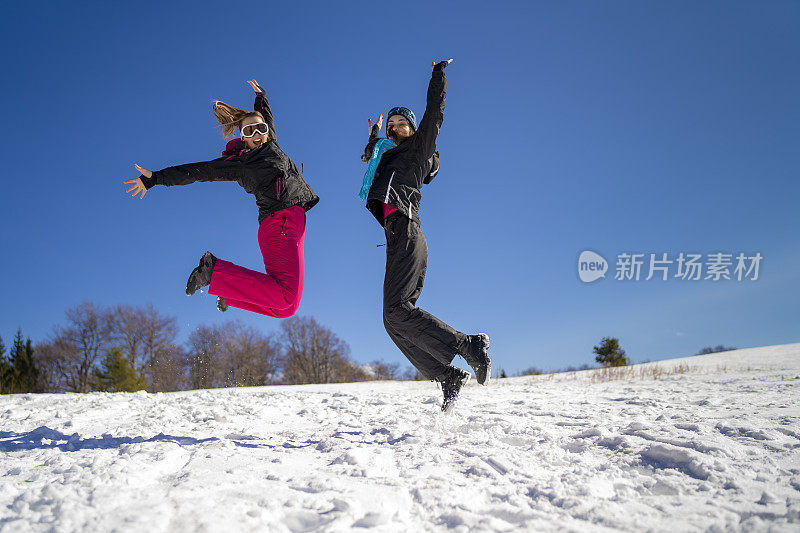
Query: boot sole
{"points": [[196, 274], [486, 343], [192, 283], [488, 375]]}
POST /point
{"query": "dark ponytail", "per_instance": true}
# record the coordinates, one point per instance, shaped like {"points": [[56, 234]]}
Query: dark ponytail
{"points": [[373, 138], [369, 149]]}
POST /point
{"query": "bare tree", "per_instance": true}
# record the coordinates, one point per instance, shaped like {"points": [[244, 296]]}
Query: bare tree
{"points": [[49, 379], [719, 348], [378, 370], [204, 356], [80, 343], [250, 357], [148, 338], [346, 371], [530, 371], [127, 324], [311, 352], [411, 374], [231, 355], [167, 372], [158, 334]]}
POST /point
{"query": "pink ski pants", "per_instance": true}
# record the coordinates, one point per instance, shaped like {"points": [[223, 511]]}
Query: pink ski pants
{"points": [[276, 293]]}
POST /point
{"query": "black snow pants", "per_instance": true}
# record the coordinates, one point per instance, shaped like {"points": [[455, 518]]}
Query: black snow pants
{"points": [[426, 341]]}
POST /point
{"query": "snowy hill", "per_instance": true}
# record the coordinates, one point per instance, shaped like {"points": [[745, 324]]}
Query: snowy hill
{"points": [[707, 442]]}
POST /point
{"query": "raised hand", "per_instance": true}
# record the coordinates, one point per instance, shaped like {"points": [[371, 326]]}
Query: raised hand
{"points": [[256, 87], [379, 123], [138, 186], [440, 65]]}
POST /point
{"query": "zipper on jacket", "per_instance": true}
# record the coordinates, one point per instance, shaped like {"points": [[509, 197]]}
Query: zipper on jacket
{"points": [[278, 188]]}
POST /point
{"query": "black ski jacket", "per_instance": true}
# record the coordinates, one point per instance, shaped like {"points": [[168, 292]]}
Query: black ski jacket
{"points": [[265, 172], [403, 169]]}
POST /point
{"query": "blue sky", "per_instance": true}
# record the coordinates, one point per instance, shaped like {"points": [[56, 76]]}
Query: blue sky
{"points": [[607, 126]]}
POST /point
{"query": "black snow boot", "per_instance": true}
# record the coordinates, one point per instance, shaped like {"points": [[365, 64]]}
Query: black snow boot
{"points": [[221, 305], [451, 383], [201, 276], [478, 357]]}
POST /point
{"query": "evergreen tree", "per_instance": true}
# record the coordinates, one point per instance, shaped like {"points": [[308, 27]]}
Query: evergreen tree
{"points": [[117, 374], [5, 370], [22, 374], [31, 372], [14, 356], [609, 353]]}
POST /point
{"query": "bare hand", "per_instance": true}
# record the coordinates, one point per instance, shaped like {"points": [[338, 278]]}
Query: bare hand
{"points": [[137, 185], [379, 123], [433, 63], [256, 87], [144, 172]]}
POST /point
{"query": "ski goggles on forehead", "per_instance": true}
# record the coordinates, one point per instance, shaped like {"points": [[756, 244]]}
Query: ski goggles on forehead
{"points": [[255, 128]]}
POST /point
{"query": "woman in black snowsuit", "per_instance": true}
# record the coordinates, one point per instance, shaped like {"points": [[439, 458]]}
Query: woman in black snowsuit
{"points": [[394, 199]]}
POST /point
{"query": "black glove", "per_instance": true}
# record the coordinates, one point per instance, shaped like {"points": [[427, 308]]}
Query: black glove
{"points": [[440, 66], [147, 182]]}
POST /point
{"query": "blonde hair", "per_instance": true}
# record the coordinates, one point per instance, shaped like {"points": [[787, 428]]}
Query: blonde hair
{"points": [[230, 118]]}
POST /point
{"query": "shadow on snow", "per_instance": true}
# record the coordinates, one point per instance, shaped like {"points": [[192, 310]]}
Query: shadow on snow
{"points": [[35, 440]]}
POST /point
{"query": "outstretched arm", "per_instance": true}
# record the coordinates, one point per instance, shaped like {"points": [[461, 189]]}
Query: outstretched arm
{"points": [[431, 121], [262, 106], [222, 169]]}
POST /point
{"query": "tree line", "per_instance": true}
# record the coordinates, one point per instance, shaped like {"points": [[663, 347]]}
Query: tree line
{"points": [[128, 348]]}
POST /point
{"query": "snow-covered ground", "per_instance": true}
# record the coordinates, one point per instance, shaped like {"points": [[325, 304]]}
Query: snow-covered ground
{"points": [[714, 448]]}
